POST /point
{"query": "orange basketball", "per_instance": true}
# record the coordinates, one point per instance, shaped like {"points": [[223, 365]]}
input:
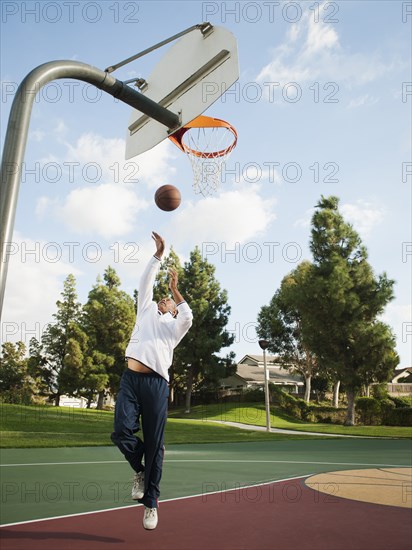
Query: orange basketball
{"points": [[167, 198]]}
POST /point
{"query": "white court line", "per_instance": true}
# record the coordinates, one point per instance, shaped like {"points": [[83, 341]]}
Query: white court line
{"points": [[216, 460], [63, 463], [166, 500]]}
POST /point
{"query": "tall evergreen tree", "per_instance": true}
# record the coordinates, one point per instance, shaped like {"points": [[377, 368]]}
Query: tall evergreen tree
{"points": [[281, 323], [57, 360], [329, 310], [196, 356], [109, 316], [160, 290], [161, 286], [343, 301]]}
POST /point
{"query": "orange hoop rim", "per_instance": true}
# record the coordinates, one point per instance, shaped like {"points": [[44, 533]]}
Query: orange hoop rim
{"points": [[203, 121]]}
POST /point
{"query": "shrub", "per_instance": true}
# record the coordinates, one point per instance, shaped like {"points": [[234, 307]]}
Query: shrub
{"points": [[329, 415], [380, 391], [301, 410], [16, 396], [399, 402], [253, 395], [370, 410], [277, 396], [398, 417], [305, 410]]}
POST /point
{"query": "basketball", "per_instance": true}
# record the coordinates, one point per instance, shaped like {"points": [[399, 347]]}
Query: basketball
{"points": [[167, 198]]}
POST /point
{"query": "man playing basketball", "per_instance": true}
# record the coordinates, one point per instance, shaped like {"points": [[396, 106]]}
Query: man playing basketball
{"points": [[144, 387]]}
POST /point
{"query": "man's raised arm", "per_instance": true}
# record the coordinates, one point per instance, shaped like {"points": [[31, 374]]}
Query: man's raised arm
{"points": [[145, 296], [185, 316], [177, 297]]}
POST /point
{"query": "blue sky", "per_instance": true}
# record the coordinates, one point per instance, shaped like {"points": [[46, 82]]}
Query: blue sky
{"points": [[338, 121]]}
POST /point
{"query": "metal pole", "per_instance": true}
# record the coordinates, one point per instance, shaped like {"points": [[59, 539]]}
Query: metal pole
{"points": [[267, 404], [17, 130]]}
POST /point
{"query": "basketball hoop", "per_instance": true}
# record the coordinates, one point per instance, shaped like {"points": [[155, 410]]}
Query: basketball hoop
{"points": [[208, 143]]}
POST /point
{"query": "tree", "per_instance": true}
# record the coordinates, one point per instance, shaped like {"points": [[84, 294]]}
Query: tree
{"points": [[343, 301], [281, 323], [161, 289], [196, 356], [57, 360], [109, 317], [15, 384], [161, 286]]}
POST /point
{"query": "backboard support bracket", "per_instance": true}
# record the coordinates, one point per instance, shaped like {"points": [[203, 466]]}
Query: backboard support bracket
{"points": [[205, 28]]}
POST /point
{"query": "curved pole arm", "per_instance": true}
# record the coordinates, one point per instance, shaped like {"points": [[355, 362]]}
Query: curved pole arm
{"points": [[17, 130]]}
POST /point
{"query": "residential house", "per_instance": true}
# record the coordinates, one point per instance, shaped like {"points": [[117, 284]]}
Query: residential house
{"points": [[401, 383], [250, 374]]}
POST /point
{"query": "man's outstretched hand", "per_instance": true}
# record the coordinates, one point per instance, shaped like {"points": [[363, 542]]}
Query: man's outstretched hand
{"points": [[160, 244], [172, 279]]}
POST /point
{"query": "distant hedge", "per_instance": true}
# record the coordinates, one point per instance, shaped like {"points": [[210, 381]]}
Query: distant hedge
{"points": [[371, 411], [398, 417], [301, 410], [383, 412], [391, 411]]}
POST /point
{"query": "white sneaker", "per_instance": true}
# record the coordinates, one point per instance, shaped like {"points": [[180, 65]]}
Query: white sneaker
{"points": [[150, 518], [138, 486]]}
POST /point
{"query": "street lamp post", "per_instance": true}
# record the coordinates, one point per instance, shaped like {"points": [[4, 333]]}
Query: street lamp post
{"points": [[264, 344]]}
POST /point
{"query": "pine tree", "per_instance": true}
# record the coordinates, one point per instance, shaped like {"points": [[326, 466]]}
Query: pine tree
{"points": [[160, 290], [196, 356], [57, 360], [281, 323], [109, 317], [324, 317], [343, 301]]}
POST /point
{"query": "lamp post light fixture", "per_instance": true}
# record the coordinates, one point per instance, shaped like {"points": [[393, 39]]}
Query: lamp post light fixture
{"points": [[264, 344]]}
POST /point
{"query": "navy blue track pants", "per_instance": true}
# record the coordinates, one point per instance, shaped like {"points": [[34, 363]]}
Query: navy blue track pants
{"points": [[142, 403]]}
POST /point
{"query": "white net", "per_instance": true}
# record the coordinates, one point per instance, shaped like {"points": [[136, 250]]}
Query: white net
{"points": [[208, 149]]}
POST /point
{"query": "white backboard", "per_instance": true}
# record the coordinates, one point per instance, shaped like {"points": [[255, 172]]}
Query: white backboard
{"points": [[193, 74]]}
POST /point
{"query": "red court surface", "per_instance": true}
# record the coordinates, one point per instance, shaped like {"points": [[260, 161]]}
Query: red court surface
{"points": [[285, 515]]}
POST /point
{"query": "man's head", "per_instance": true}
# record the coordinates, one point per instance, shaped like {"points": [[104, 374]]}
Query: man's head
{"points": [[166, 304]]}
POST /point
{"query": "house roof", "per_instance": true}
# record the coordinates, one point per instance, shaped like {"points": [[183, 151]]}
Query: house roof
{"points": [[233, 379], [402, 375], [258, 360], [256, 374]]}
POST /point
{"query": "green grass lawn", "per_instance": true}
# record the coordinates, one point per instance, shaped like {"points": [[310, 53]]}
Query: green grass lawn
{"points": [[253, 413], [48, 426]]}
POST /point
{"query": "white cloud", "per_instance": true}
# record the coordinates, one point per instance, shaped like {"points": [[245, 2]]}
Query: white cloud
{"points": [[155, 165], [34, 283], [363, 215], [109, 192], [305, 220], [397, 314], [36, 135], [365, 99], [107, 210], [320, 36], [151, 168], [43, 206], [312, 51], [399, 317], [231, 217], [60, 128], [254, 173]]}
